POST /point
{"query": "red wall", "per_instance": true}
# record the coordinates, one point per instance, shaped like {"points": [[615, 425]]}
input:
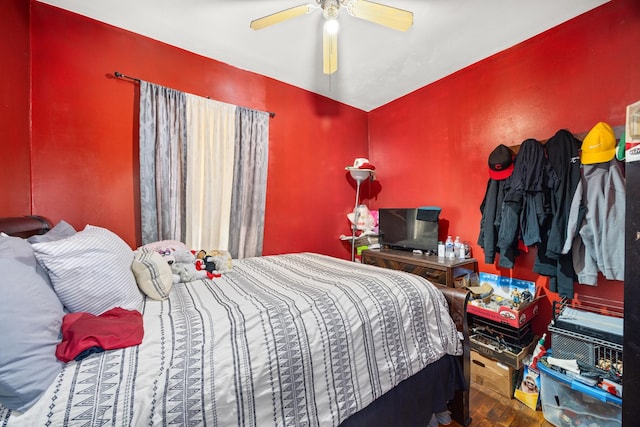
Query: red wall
{"points": [[15, 197], [85, 132], [431, 146]]}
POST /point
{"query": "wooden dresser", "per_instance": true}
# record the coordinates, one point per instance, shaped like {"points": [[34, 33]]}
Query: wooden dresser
{"points": [[435, 269]]}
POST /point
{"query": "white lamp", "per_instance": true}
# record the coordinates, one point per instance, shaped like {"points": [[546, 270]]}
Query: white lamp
{"points": [[358, 175]]}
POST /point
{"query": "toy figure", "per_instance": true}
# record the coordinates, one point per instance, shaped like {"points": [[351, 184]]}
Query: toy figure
{"points": [[515, 298]]}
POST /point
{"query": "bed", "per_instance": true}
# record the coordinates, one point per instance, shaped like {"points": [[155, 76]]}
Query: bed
{"points": [[287, 340]]}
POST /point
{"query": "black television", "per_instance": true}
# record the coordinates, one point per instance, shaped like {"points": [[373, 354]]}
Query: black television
{"points": [[409, 228]]}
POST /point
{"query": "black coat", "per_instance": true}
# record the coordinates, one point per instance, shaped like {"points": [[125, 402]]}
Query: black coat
{"points": [[526, 210], [563, 156], [491, 210]]}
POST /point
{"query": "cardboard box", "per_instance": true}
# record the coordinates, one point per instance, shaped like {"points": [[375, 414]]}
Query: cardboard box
{"points": [[503, 306], [493, 375], [632, 133]]}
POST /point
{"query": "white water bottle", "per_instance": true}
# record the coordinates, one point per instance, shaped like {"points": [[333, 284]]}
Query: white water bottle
{"points": [[449, 249], [441, 250]]}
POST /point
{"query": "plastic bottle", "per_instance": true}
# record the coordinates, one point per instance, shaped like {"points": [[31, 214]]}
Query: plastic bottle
{"points": [[449, 248], [538, 352], [539, 346], [467, 250], [458, 248]]}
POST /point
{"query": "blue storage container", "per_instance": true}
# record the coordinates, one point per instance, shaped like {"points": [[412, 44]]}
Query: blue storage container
{"points": [[567, 402]]}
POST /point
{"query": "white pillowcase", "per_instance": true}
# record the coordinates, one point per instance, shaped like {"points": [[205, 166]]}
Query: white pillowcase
{"points": [[153, 273], [91, 271]]}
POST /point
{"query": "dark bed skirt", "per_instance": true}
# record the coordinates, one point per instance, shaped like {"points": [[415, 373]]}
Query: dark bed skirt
{"points": [[414, 400]]}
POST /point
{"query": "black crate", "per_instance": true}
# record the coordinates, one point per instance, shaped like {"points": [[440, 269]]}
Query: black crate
{"points": [[514, 338], [590, 350], [587, 322]]}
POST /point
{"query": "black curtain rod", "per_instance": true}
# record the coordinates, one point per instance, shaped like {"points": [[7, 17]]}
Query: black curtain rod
{"points": [[119, 75]]}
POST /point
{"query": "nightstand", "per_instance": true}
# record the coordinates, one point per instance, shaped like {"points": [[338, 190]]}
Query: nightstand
{"points": [[431, 267]]}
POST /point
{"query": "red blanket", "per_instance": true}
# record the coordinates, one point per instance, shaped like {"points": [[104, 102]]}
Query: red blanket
{"points": [[115, 328]]}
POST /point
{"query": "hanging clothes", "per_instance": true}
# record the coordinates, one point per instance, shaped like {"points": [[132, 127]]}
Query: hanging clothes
{"points": [[597, 229], [563, 157], [596, 232], [526, 210], [491, 210], [500, 168]]}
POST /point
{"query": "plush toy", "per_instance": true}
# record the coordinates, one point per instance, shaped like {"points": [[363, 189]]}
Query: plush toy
{"points": [[182, 262], [186, 272], [366, 220], [215, 261], [184, 256]]}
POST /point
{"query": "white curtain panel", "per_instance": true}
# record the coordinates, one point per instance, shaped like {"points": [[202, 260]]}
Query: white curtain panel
{"points": [[210, 162]]}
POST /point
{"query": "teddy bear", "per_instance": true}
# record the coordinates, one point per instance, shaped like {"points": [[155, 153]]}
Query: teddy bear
{"points": [[185, 272], [182, 262]]}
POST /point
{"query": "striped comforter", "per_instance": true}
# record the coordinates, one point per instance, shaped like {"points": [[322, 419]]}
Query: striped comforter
{"points": [[286, 340]]}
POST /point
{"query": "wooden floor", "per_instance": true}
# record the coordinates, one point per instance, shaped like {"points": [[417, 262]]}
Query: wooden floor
{"points": [[489, 409]]}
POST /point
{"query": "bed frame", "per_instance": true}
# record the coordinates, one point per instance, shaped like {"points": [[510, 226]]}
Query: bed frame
{"points": [[457, 298], [24, 226]]}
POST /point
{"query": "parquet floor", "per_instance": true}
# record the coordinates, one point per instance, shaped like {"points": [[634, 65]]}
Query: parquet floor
{"points": [[489, 409]]}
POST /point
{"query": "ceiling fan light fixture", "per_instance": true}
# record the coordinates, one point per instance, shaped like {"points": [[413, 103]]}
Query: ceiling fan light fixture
{"points": [[331, 26], [392, 17]]}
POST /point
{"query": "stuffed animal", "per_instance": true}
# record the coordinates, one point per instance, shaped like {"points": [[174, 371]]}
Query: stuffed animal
{"points": [[215, 261], [182, 262], [183, 255], [366, 221], [184, 272]]}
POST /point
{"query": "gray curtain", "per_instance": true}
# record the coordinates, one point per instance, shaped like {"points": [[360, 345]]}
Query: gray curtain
{"points": [[248, 199], [163, 154]]}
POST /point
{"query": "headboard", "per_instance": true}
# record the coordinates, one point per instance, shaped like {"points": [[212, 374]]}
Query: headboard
{"points": [[24, 226]]}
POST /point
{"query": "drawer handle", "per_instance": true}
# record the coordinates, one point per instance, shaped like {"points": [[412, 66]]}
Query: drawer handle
{"points": [[432, 274], [479, 363]]}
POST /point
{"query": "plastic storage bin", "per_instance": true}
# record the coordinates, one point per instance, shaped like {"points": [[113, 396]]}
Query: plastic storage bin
{"points": [[567, 402]]}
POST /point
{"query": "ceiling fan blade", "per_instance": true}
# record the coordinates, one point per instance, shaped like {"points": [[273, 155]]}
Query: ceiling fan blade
{"points": [[391, 17], [283, 15], [329, 52]]}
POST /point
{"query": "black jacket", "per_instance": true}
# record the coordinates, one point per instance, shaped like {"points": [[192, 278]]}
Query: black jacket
{"points": [[563, 156], [526, 211], [491, 210]]}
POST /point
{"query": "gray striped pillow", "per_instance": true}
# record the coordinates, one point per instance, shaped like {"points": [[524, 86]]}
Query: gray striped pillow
{"points": [[91, 271], [153, 273]]}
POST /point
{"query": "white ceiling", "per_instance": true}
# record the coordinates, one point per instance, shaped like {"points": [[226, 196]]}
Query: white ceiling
{"points": [[375, 64]]}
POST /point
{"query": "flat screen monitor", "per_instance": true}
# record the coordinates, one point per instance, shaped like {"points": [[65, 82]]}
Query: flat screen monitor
{"points": [[409, 228]]}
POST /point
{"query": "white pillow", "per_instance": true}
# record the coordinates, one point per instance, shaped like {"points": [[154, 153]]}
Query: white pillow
{"points": [[91, 271], [153, 274]]}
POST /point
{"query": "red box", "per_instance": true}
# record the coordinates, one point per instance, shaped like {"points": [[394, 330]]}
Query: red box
{"points": [[498, 309]]}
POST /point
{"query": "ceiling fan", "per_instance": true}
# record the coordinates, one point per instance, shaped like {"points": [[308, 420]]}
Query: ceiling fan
{"points": [[391, 17]]}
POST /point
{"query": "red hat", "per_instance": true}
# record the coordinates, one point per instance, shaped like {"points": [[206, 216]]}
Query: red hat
{"points": [[361, 163], [500, 163]]}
